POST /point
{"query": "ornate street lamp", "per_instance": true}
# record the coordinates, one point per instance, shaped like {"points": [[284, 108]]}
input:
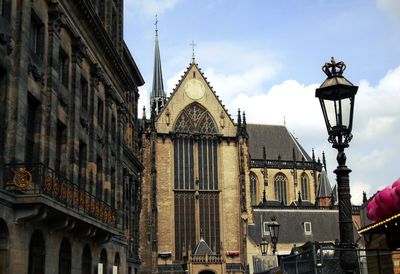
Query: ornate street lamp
{"points": [[264, 246], [336, 95], [273, 228]]}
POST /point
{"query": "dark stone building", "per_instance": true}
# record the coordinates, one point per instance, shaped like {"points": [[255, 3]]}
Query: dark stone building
{"points": [[69, 155]]}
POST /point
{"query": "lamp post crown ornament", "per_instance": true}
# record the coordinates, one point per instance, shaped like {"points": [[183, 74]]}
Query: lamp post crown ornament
{"points": [[334, 69]]}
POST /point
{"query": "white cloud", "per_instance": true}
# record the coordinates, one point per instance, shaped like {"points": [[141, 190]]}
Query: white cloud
{"points": [[373, 150], [391, 8], [150, 7], [242, 81]]}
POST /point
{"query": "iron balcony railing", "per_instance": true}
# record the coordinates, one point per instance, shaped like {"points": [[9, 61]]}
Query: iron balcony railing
{"points": [[281, 164], [36, 178]]}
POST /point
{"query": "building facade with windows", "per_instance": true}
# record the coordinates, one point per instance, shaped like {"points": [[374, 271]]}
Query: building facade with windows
{"points": [[205, 174], [70, 170]]}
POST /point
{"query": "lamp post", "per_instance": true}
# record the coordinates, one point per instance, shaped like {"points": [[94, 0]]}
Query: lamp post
{"points": [[273, 228], [336, 95], [264, 246]]}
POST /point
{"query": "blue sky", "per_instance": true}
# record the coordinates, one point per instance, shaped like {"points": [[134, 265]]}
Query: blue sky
{"points": [[265, 57]]}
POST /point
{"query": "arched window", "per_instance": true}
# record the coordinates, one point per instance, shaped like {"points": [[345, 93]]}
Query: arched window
{"points": [[253, 189], [116, 262], [3, 247], [37, 254], [196, 155], [86, 260], [64, 259], [304, 186], [280, 188], [103, 260]]}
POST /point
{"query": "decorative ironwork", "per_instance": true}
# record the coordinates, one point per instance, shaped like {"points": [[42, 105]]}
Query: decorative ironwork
{"points": [[47, 184], [55, 187], [22, 179], [39, 179], [334, 69]]}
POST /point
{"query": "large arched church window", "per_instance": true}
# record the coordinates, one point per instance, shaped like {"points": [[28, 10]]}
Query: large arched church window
{"points": [[37, 254], [86, 260], [253, 189], [196, 157], [280, 182], [304, 186], [3, 247], [64, 259]]}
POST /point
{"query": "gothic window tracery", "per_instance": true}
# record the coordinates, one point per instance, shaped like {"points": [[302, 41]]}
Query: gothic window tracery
{"points": [[195, 118], [304, 186], [280, 188], [196, 186], [253, 189]]}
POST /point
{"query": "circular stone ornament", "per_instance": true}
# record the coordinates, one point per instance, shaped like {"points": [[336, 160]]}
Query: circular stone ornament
{"points": [[194, 89]]}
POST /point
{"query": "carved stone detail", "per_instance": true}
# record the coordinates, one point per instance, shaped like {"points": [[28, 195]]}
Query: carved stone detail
{"points": [[36, 73], [79, 49]]}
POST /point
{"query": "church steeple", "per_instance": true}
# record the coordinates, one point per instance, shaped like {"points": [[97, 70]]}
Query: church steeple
{"points": [[157, 98]]}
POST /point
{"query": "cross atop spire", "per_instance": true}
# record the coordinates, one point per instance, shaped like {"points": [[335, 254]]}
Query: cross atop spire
{"points": [[156, 24], [193, 45]]}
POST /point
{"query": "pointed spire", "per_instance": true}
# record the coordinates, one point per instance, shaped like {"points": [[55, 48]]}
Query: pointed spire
{"points": [[239, 119], [157, 97], [244, 120], [364, 197], [144, 118], [324, 160], [299, 199], [294, 154], [325, 189], [313, 155], [264, 154]]}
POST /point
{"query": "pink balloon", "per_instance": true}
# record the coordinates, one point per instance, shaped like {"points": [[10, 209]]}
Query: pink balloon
{"points": [[385, 197], [395, 199], [371, 204], [377, 198], [382, 213], [396, 183], [371, 214]]}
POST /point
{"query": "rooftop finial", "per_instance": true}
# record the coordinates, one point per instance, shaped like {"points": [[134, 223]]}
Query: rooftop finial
{"points": [[193, 45], [333, 69], [156, 24]]}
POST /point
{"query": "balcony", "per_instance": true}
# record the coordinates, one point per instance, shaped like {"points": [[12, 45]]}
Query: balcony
{"points": [[206, 259], [281, 164], [58, 198]]}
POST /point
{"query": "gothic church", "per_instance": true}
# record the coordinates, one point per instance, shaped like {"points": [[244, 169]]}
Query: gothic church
{"points": [[204, 173]]}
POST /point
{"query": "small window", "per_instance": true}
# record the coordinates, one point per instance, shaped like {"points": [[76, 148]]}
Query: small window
{"points": [[113, 128], [266, 229], [5, 8], [84, 93], [36, 37], [100, 113], [307, 228], [63, 72]]}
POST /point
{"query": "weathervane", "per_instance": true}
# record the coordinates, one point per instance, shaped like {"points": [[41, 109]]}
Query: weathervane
{"points": [[193, 45]]}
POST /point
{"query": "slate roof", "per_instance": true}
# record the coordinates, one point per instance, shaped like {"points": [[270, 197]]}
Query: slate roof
{"points": [[277, 141], [325, 189], [324, 224]]}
